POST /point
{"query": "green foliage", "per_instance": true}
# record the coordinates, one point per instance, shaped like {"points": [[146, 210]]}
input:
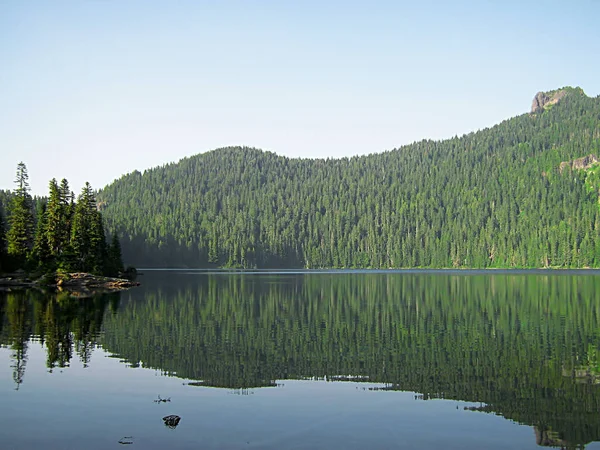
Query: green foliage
{"points": [[41, 256], [495, 198], [87, 234], [59, 219], [68, 236], [2, 241], [114, 263], [592, 180], [21, 221]]}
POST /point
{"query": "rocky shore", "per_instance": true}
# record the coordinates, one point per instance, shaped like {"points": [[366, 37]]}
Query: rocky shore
{"points": [[78, 283]]}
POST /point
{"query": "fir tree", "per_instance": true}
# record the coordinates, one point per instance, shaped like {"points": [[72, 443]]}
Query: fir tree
{"points": [[115, 258], [87, 234], [2, 241], [59, 216], [41, 255], [99, 250], [20, 233], [53, 211], [67, 199]]}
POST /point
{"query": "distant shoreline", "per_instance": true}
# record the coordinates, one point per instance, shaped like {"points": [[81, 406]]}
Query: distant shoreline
{"points": [[466, 271]]}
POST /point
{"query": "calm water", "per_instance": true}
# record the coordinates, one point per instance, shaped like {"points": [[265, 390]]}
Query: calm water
{"points": [[306, 360]]}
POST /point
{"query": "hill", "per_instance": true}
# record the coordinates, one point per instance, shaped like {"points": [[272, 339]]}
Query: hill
{"points": [[499, 197]]}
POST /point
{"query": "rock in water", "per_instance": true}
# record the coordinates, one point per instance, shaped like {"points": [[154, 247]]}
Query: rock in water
{"points": [[171, 421]]}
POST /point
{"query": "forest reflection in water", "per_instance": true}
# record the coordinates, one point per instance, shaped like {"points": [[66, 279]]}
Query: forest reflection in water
{"points": [[525, 346]]}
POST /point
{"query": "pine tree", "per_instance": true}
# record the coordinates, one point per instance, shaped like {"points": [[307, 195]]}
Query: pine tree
{"points": [[59, 213], [115, 258], [87, 233], [2, 242], [99, 250], [41, 255], [80, 239], [66, 201], [53, 211], [20, 233]]}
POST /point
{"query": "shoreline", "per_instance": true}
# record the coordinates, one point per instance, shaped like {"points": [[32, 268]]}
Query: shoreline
{"points": [[78, 283]]}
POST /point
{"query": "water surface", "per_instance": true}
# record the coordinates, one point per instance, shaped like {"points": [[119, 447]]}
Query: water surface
{"points": [[307, 360]]}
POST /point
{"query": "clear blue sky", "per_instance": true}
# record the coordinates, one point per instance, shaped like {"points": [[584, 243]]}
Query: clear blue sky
{"points": [[90, 90]]}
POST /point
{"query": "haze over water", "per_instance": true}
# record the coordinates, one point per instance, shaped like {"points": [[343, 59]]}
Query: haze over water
{"points": [[415, 359]]}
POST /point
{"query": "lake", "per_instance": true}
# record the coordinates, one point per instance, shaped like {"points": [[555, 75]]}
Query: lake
{"points": [[303, 360]]}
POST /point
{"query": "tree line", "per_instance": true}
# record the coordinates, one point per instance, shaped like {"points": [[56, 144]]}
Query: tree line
{"points": [[55, 233], [494, 198]]}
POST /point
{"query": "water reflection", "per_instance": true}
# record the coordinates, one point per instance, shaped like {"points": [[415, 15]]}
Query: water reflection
{"points": [[61, 323], [525, 347]]}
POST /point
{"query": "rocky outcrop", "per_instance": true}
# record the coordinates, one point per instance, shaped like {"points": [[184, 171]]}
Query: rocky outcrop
{"points": [[582, 163], [88, 281], [80, 284], [542, 100]]}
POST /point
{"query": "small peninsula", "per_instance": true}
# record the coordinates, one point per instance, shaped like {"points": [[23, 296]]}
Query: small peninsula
{"points": [[57, 242]]}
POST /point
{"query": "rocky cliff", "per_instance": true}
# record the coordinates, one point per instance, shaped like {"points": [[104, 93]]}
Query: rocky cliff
{"points": [[582, 163], [544, 99]]}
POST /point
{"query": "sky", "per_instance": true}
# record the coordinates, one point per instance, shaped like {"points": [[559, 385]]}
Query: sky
{"points": [[94, 89]]}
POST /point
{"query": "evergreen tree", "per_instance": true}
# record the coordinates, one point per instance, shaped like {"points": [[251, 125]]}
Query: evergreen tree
{"points": [[67, 198], [21, 223], [99, 248], [59, 216], [55, 224], [41, 255], [115, 258], [2, 241], [87, 234]]}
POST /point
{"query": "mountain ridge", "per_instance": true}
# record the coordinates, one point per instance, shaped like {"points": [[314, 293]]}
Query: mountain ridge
{"points": [[567, 89], [462, 202]]}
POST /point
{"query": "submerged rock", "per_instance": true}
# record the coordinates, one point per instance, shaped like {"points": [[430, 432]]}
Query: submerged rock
{"points": [[127, 440]]}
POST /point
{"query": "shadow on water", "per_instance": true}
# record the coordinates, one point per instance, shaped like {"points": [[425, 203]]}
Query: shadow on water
{"points": [[525, 346]]}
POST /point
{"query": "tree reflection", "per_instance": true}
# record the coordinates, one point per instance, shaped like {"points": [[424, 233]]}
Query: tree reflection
{"points": [[60, 322], [524, 346]]}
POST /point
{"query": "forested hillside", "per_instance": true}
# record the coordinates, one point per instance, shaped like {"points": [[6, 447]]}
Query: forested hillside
{"points": [[496, 198]]}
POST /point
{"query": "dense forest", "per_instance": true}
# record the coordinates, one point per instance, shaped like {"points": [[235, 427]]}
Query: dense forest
{"points": [[512, 195], [46, 234]]}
